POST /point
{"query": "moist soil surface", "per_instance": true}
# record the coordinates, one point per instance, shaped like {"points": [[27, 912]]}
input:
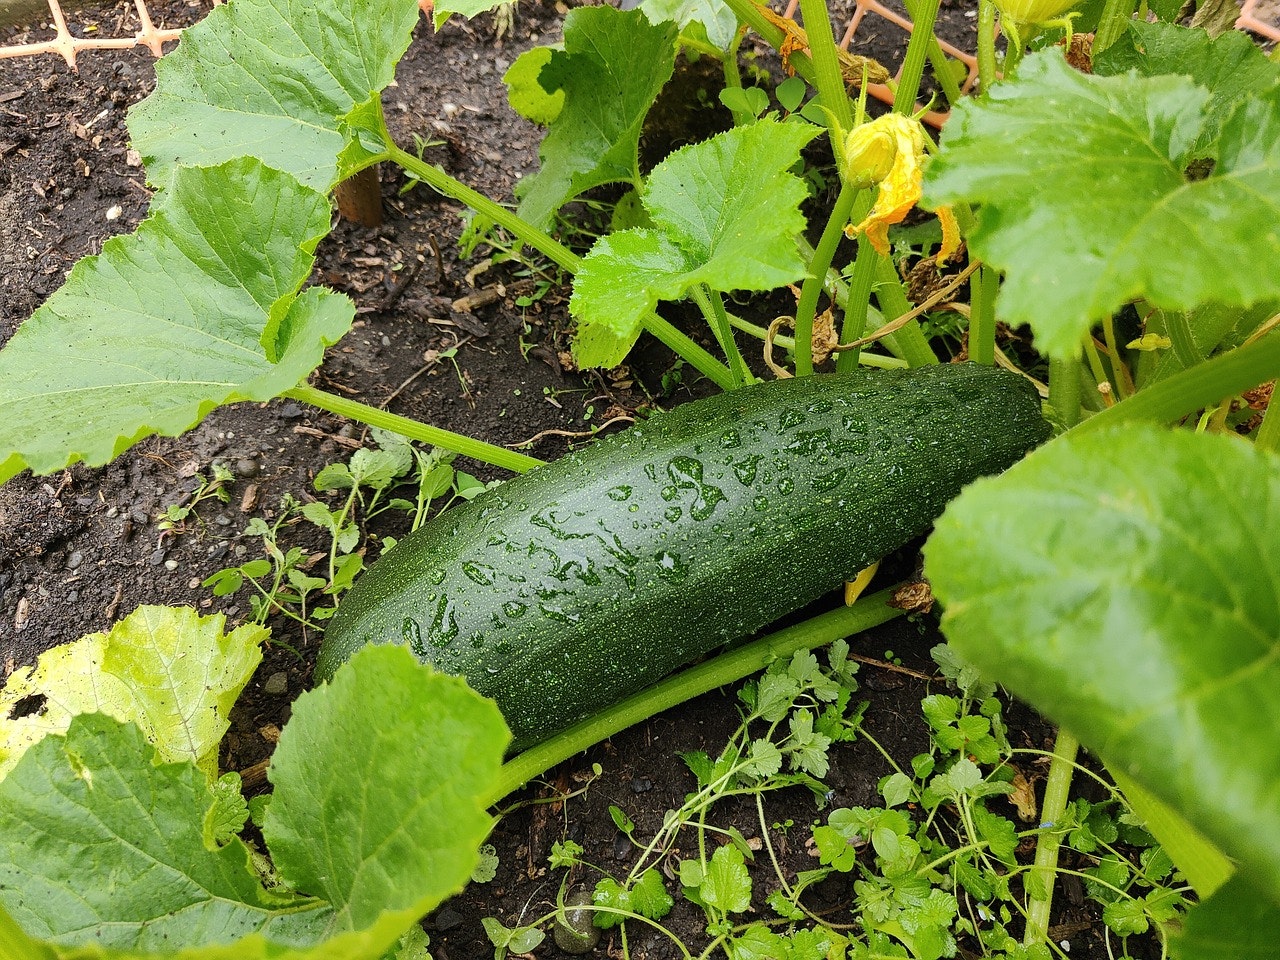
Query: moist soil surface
{"points": [[439, 338]]}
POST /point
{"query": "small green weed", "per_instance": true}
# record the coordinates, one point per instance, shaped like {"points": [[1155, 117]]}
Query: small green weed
{"points": [[393, 476], [933, 871]]}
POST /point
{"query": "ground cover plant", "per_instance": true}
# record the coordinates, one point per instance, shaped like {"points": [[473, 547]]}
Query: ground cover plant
{"points": [[1063, 185]]}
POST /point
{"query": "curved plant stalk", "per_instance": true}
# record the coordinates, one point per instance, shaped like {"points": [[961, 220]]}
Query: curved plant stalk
{"points": [[1056, 791], [413, 429], [728, 667], [1203, 385], [1268, 435], [712, 306], [557, 252], [1116, 15]]}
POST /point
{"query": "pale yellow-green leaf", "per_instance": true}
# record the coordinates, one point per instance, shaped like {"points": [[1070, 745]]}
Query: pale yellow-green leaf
{"points": [[167, 669]]}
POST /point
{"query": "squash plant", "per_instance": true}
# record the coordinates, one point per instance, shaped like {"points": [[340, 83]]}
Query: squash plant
{"points": [[1069, 185]]}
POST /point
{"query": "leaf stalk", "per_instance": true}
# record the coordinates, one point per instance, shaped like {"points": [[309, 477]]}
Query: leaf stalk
{"points": [[726, 668]]}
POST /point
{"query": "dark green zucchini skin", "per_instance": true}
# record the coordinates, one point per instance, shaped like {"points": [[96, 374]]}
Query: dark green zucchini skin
{"points": [[564, 590]]}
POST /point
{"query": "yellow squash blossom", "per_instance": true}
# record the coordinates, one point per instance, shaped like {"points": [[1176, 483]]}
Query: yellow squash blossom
{"points": [[889, 152]]}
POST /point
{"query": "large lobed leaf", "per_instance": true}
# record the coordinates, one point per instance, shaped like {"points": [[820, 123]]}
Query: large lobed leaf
{"points": [[726, 213], [272, 79], [1127, 584], [1093, 192], [377, 816], [611, 69], [169, 670], [198, 307], [1231, 66]]}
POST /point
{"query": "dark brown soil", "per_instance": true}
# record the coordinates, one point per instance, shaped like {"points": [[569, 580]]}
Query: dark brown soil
{"points": [[80, 549]]}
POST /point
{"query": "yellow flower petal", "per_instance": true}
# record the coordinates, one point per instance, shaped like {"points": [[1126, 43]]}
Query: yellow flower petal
{"points": [[888, 150]]}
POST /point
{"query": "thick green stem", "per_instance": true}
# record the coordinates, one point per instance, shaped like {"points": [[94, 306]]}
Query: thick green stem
{"points": [[982, 315], [728, 667], [748, 12], [374, 417], [558, 253], [1040, 880], [1065, 390], [938, 57], [909, 342], [1115, 18], [695, 355], [986, 45], [924, 16], [519, 228], [1204, 385], [861, 280], [813, 284], [826, 67]]}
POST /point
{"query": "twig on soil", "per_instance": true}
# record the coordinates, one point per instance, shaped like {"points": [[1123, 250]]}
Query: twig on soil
{"points": [[420, 371], [886, 665], [351, 443], [398, 290], [571, 433]]}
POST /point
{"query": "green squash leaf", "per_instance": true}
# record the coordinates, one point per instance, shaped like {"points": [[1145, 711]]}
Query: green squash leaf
{"points": [[378, 807], [1236, 923], [167, 669], [1093, 193], [611, 69], [726, 213], [103, 845], [718, 21], [401, 751], [197, 308], [524, 90], [1231, 67], [272, 79], [443, 9], [1126, 583]]}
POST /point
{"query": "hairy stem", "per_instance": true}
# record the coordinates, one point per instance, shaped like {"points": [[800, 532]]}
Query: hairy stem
{"points": [[826, 67], [727, 668], [924, 15], [986, 45], [415, 430], [982, 315], [1064, 390], [1040, 880]]}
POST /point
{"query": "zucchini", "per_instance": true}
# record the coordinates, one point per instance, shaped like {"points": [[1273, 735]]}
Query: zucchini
{"points": [[564, 590]]}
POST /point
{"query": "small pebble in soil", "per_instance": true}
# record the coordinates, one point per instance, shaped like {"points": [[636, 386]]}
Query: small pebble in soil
{"points": [[276, 684], [291, 411], [171, 565], [75, 559], [574, 932], [447, 919], [246, 469], [641, 785], [621, 847], [222, 520]]}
